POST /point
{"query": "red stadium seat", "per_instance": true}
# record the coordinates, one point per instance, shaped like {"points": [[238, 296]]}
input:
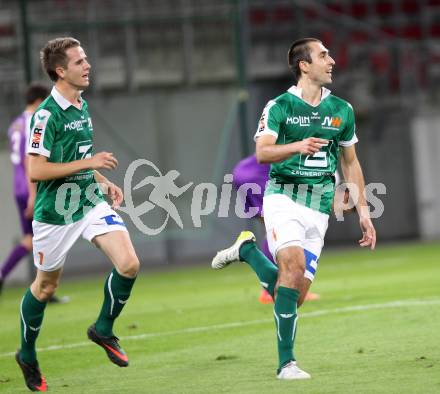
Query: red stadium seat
{"points": [[380, 61], [359, 10], [412, 32], [283, 14], [384, 8], [389, 30], [258, 16], [335, 7], [410, 7], [435, 30], [341, 57], [359, 36], [311, 13]]}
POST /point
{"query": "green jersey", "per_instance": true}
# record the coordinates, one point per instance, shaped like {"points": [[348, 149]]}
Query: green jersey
{"points": [[63, 133], [307, 179]]}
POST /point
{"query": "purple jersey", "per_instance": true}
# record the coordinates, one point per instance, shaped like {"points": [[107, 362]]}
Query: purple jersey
{"points": [[18, 134], [249, 170]]}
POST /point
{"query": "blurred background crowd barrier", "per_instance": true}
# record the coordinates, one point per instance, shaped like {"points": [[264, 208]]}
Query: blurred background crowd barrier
{"points": [[182, 83]]}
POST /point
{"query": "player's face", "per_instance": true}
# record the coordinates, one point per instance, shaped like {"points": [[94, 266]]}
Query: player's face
{"points": [[78, 68], [320, 70]]}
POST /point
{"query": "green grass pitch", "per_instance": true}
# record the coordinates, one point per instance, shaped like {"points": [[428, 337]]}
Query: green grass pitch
{"points": [[374, 330]]}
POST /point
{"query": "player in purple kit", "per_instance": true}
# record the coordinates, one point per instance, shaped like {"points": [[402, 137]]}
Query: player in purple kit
{"points": [[248, 170], [24, 191]]}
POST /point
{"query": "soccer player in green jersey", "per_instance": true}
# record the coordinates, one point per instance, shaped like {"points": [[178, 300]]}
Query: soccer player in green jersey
{"points": [[302, 133], [69, 204]]}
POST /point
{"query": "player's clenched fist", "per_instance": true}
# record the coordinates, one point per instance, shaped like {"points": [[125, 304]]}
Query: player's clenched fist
{"points": [[103, 160], [310, 146]]}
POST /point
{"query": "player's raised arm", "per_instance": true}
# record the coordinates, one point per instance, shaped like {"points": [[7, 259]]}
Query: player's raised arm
{"points": [[268, 152], [40, 169], [352, 171]]}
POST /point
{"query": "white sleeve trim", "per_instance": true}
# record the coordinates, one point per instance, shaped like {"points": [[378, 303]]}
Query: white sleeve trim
{"points": [[40, 151], [349, 143], [265, 132], [263, 122]]}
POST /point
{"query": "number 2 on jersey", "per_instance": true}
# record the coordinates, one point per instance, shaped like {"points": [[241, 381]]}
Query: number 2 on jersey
{"points": [[319, 159]]}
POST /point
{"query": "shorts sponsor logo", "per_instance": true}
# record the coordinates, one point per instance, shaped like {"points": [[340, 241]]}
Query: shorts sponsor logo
{"points": [[113, 219], [41, 258]]}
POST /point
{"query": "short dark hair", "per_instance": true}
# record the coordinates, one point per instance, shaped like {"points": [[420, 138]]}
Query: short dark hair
{"points": [[299, 51], [36, 91], [53, 55]]}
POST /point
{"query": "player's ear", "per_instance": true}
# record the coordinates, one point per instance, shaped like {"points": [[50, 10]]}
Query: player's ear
{"points": [[304, 65], [61, 72]]}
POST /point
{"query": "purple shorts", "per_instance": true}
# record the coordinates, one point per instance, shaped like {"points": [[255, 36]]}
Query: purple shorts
{"points": [[26, 224], [249, 170]]}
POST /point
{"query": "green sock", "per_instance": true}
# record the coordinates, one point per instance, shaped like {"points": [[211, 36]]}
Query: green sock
{"points": [[117, 289], [285, 312], [32, 312], [266, 271]]}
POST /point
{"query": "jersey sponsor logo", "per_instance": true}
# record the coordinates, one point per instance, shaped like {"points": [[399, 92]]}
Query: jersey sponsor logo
{"points": [[274, 234], [332, 123], [41, 118], [302, 121], [36, 137], [76, 125]]}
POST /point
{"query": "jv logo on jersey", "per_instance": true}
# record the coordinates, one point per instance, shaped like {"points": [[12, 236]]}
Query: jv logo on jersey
{"points": [[330, 122], [302, 121]]}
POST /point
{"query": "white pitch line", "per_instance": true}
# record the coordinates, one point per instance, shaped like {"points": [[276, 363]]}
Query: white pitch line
{"points": [[354, 308]]}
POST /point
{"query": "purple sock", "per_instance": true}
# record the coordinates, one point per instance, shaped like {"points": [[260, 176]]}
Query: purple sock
{"points": [[13, 259], [265, 250]]}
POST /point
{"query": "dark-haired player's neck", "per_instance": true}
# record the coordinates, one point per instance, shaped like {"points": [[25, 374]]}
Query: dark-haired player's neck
{"points": [[311, 92]]}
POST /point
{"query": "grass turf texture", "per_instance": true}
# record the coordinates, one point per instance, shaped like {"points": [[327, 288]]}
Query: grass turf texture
{"points": [[375, 330]]}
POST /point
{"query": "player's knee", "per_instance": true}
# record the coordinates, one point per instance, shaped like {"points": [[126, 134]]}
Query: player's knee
{"points": [[44, 290], [291, 271], [130, 267]]}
